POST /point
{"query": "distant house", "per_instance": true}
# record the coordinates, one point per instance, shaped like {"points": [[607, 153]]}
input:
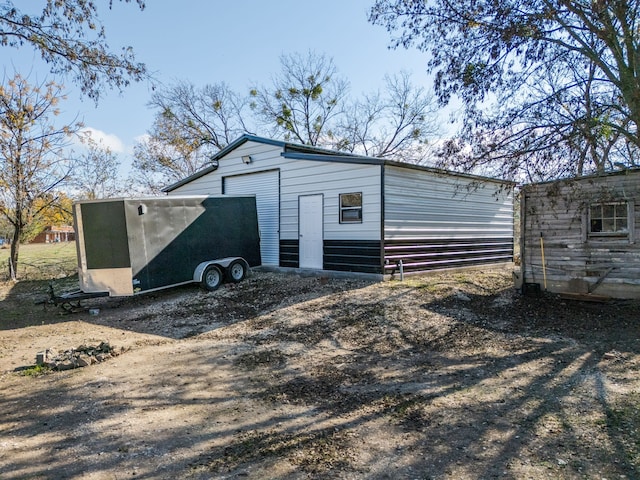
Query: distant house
{"points": [[327, 210], [54, 234], [589, 232]]}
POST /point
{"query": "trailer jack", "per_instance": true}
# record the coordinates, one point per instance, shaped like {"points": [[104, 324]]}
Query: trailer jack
{"points": [[69, 301]]}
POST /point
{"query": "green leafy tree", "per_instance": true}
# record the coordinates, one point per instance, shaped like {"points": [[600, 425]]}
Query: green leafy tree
{"points": [[69, 37], [59, 211], [32, 164], [541, 80], [6, 231], [54, 209]]}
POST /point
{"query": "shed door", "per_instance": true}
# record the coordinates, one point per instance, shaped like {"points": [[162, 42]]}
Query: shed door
{"points": [[311, 234], [266, 187]]}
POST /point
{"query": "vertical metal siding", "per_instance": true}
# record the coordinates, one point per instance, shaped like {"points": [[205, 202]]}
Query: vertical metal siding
{"points": [[266, 187]]}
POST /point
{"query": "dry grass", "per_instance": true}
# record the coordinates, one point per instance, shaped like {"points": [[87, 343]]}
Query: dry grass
{"points": [[41, 261]]}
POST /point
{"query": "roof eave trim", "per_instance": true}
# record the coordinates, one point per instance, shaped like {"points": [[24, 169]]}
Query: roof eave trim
{"points": [[338, 158], [190, 178]]}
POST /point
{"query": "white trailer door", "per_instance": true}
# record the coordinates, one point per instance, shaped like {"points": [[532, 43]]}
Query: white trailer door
{"points": [[266, 187]]}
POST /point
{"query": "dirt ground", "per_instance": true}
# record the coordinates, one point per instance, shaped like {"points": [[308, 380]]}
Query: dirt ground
{"points": [[449, 376]]}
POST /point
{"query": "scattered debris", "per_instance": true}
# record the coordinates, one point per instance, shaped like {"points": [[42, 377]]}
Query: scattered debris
{"points": [[77, 357], [585, 297]]}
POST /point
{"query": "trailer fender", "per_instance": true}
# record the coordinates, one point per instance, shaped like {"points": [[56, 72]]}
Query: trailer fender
{"points": [[221, 263]]}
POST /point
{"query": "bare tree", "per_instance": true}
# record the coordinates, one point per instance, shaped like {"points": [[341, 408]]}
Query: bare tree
{"points": [[306, 104], [397, 124], [210, 117], [191, 125], [164, 157], [95, 172], [304, 99], [557, 127], [32, 165], [542, 80]]}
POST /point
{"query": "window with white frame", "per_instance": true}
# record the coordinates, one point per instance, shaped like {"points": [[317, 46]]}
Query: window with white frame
{"points": [[351, 208], [609, 218]]}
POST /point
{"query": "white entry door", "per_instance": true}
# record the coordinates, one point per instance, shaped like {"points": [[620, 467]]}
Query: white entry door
{"points": [[310, 231]]}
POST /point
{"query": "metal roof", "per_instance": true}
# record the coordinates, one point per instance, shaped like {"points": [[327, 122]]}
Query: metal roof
{"points": [[307, 152]]}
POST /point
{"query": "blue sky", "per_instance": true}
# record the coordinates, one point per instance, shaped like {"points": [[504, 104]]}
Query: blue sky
{"points": [[238, 42]]}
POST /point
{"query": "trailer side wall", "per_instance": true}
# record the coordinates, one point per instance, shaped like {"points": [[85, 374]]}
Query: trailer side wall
{"points": [[169, 237], [133, 245]]}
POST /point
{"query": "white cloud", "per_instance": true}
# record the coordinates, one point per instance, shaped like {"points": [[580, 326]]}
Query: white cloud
{"points": [[144, 138], [105, 139]]}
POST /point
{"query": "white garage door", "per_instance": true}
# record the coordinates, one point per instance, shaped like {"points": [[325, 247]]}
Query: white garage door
{"points": [[266, 187]]}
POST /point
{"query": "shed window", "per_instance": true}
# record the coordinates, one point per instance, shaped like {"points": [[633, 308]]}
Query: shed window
{"points": [[609, 218], [351, 208]]}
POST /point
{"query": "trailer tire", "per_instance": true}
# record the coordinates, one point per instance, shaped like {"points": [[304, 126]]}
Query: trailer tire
{"points": [[211, 278], [237, 271]]}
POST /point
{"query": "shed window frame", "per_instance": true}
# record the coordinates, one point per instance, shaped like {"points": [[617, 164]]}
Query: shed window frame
{"points": [[350, 211], [610, 216]]}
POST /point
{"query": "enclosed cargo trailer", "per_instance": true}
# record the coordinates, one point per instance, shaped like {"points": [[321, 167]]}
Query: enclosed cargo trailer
{"points": [[132, 245]]}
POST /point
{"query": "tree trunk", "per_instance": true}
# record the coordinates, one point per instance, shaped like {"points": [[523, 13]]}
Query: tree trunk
{"points": [[13, 256]]}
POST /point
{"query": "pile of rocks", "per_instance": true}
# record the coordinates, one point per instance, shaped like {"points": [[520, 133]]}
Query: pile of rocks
{"points": [[77, 357]]}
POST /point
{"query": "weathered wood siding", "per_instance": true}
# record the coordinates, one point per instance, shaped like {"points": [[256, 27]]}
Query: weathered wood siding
{"points": [[575, 260]]}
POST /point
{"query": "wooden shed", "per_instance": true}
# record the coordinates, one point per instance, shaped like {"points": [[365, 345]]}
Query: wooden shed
{"points": [[587, 231], [326, 210]]}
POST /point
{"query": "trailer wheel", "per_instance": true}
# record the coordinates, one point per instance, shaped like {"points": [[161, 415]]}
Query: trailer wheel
{"points": [[211, 278], [237, 271]]}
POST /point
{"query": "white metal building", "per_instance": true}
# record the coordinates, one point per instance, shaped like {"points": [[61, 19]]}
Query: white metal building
{"points": [[320, 209]]}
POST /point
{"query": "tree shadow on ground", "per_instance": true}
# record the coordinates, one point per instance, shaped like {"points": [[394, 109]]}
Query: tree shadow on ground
{"points": [[178, 312], [387, 381], [24, 303], [490, 386]]}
